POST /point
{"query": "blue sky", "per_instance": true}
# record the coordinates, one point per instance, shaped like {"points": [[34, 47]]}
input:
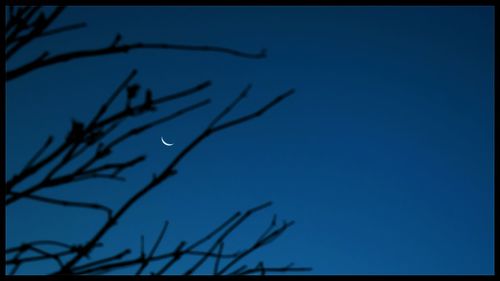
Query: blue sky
{"points": [[383, 156]]}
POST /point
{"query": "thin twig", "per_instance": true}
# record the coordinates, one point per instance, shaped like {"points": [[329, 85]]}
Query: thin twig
{"points": [[261, 242], [36, 31], [153, 250], [177, 255], [140, 129], [118, 256], [134, 111], [39, 152], [255, 114], [232, 105], [17, 261], [19, 23], [217, 259], [226, 233], [113, 96]]}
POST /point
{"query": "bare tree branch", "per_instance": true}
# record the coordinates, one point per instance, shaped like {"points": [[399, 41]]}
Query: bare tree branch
{"points": [[153, 250], [218, 257], [67, 203], [261, 242], [40, 25], [141, 129], [230, 106], [86, 266], [226, 233], [19, 22], [34, 246], [25, 173], [56, 59], [255, 114], [39, 152]]}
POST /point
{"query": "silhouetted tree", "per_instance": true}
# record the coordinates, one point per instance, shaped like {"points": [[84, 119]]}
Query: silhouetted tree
{"points": [[22, 27]]}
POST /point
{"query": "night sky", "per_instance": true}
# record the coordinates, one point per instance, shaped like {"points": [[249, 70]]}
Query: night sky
{"points": [[383, 156]]}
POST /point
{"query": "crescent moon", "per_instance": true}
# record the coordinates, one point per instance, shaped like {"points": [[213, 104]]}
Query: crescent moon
{"points": [[165, 143]]}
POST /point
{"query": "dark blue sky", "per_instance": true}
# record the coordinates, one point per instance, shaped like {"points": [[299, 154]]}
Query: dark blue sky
{"points": [[383, 157]]}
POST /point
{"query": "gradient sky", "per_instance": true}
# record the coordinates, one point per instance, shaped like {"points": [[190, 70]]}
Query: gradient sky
{"points": [[383, 157]]}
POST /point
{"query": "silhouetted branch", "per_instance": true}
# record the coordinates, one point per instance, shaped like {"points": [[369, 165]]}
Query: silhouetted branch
{"points": [[141, 129], [46, 255], [102, 265], [86, 266], [177, 254], [255, 114], [94, 125], [26, 246], [18, 23], [12, 19], [17, 263], [153, 250], [260, 242], [38, 242], [218, 257], [39, 152], [77, 175], [239, 270], [67, 203], [113, 96], [225, 234], [115, 49], [35, 167], [230, 106], [117, 167], [269, 228], [70, 143], [215, 231], [110, 263], [34, 246], [40, 24], [83, 173], [139, 109]]}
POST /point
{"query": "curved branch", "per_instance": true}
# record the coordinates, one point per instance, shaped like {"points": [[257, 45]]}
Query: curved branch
{"points": [[56, 59], [67, 203]]}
